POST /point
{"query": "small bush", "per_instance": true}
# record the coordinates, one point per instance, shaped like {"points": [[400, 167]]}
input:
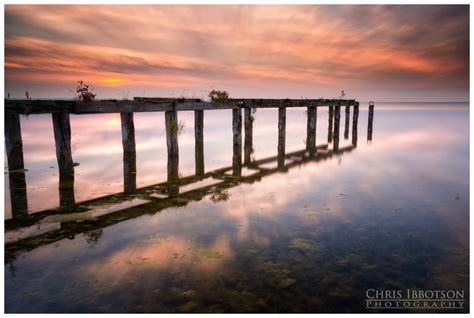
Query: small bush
{"points": [[219, 96], [83, 92]]}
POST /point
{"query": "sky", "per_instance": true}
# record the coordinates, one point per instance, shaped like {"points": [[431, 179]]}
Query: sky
{"points": [[380, 53]]}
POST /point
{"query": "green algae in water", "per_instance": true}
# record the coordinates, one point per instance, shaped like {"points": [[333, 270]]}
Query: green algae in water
{"points": [[206, 253], [305, 245], [70, 217]]}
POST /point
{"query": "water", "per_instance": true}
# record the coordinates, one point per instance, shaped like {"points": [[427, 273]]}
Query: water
{"points": [[392, 214]]}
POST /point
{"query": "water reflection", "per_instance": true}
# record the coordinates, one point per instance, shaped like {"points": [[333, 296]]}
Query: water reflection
{"points": [[263, 240]]}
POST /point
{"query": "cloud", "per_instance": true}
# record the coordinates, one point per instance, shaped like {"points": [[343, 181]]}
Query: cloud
{"points": [[248, 49]]}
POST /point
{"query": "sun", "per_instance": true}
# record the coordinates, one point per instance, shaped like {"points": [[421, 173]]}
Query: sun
{"points": [[112, 81]]}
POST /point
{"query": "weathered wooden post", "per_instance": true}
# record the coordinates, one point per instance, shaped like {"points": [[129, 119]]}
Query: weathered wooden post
{"points": [[171, 124], [16, 173], [129, 153], [337, 117], [248, 127], [199, 141], [172, 127], [62, 138], [355, 118], [281, 136], [370, 123], [237, 141], [311, 130], [330, 118], [13, 141], [347, 119], [18, 193]]}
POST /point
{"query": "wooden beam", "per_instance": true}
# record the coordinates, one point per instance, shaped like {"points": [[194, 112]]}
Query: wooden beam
{"points": [[355, 118], [370, 124], [172, 127], [155, 105], [330, 123], [347, 122]]}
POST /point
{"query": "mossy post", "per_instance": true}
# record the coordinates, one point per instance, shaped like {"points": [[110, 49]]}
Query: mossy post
{"points": [[129, 153], [330, 120], [62, 138], [248, 127], [311, 130], [199, 141], [13, 141], [237, 141], [281, 136], [370, 124], [355, 119], [337, 120], [347, 120]]}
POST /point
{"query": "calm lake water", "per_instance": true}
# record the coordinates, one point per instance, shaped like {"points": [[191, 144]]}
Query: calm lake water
{"points": [[392, 214]]}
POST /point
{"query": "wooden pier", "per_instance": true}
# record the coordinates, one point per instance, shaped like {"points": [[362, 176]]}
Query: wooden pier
{"points": [[60, 111], [169, 193]]}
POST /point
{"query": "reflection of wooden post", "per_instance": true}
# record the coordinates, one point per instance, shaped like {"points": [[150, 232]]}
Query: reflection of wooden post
{"points": [[66, 189], [347, 119], [62, 137], [18, 195], [13, 142], [171, 123], [311, 131], [355, 118], [237, 141], [337, 117], [199, 141], [281, 136], [129, 153], [248, 127], [173, 176], [330, 117], [371, 122]]}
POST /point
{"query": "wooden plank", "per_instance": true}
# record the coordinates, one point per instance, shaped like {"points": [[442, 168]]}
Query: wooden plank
{"points": [[330, 123], [172, 127], [370, 123], [155, 105], [13, 141], [199, 141]]}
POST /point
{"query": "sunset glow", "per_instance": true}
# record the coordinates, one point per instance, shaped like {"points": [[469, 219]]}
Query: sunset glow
{"points": [[372, 52]]}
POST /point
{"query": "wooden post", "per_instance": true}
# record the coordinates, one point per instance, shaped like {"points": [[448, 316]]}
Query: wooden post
{"points": [[62, 138], [281, 136], [337, 117], [171, 124], [248, 127], [129, 153], [347, 121], [18, 193], [199, 141], [355, 118], [311, 131], [370, 123], [330, 118], [237, 141], [13, 141]]}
